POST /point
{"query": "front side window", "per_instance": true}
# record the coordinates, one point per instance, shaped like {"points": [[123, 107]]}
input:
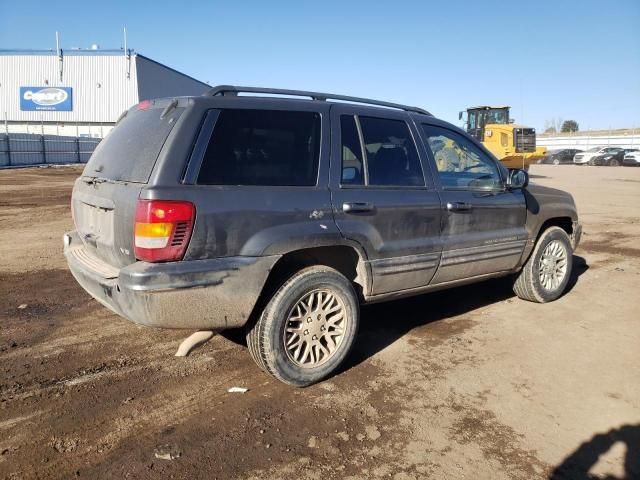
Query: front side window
{"points": [[472, 120], [460, 163], [263, 147]]}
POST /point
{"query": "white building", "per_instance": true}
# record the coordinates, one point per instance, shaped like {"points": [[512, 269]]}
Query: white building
{"points": [[80, 92]]}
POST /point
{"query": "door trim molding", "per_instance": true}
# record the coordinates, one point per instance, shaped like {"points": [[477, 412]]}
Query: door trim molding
{"points": [[483, 252]]}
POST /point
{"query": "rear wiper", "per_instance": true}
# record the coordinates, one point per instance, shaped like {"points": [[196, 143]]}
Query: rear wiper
{"points": [[169, 108], [93, 180]]}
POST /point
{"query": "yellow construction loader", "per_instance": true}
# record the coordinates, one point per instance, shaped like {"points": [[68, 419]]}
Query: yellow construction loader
{"points": [[514, 145]]}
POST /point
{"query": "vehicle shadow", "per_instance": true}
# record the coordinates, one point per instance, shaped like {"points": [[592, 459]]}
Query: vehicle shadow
{"points": [[580, 266], [577, 465], [383, 324]]}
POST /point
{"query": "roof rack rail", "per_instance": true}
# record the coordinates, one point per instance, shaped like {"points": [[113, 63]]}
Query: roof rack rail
{"points": [[227, 90]]}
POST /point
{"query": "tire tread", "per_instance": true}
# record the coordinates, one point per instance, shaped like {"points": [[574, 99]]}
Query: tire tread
{"points": [[258, 338], [526, 283]]}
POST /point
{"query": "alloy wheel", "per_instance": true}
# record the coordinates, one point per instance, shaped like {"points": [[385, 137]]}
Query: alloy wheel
{"points": [[315, 328], [553, 265]]}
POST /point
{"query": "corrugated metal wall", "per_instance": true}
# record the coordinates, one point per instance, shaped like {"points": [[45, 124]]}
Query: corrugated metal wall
{"points": [[101, 89], [584, 142], [20, 149]]}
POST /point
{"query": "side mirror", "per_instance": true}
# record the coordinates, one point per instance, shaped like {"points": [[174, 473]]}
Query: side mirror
{"points": [[517, 179], [459, 115]]}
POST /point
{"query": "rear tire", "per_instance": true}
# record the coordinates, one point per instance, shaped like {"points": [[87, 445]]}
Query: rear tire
{"points": [[556, 161], [614, 163], [308, 327], [545, 275]]}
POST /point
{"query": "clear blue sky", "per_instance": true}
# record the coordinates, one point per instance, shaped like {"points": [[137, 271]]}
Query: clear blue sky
{"points": [[547, 59]]}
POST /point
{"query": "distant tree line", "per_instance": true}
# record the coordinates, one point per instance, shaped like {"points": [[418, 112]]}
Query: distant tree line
{"points": [[556, 125]]}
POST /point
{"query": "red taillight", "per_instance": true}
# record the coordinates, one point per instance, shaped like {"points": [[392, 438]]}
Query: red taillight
{"points": [[162, 229], [144, 104]]}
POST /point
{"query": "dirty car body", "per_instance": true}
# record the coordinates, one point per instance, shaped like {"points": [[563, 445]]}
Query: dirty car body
{"points": [[373, 193]]}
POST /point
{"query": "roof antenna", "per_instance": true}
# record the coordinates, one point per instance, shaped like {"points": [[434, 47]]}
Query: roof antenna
{"points": [[59, 53], [127, 53]]}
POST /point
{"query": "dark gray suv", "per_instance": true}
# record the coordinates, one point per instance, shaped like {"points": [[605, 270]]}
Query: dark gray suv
{"points": [[282, 214]]}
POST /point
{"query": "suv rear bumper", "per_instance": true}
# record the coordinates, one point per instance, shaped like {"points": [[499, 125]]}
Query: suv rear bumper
{"points": [[213, 294]]}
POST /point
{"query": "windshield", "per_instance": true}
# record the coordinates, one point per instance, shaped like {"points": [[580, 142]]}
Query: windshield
{"points": [[594, 149], [480, 117], [497, 115]]}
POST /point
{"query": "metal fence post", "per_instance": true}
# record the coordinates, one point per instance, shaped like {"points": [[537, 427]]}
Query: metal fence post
{"points": [[6, 131], [44, 147]]}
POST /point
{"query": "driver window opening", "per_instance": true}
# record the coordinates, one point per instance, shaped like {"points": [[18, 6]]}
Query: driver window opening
{"points": [[460, 164]]}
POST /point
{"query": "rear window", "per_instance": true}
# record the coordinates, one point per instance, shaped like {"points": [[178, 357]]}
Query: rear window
{"points": [[129, 152], [263, 147]]}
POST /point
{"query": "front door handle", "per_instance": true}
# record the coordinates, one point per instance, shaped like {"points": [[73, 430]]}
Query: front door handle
{"points": [[458, 206], [357, 207]]}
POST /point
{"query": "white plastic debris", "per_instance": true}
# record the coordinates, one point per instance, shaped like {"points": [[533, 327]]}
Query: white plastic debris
{"points": [[193, 341], [238, 390], [167, 456], [22, 306], [167, 452]]}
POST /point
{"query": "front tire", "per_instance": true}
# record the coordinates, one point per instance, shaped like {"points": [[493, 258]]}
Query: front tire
{"points": [[308, 327], [556, 161], [546, 274]]}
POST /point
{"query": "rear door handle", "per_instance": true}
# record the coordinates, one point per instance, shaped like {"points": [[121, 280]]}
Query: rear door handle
{"points": [[458, 206], [356, 207]]}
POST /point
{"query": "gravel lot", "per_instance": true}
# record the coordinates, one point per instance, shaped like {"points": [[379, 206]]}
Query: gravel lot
{"points": [[468, 383]]}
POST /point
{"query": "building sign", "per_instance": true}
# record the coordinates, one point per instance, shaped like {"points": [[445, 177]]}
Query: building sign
{"points": [[56, 99]]}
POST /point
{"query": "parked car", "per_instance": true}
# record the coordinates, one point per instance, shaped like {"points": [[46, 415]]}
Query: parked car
{"points": [[284, 215], [632, 158], [613, 158], [588, 156], [557, 157]]}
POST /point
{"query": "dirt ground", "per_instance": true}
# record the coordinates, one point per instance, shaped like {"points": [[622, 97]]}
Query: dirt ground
{"points": [[469, 383]]}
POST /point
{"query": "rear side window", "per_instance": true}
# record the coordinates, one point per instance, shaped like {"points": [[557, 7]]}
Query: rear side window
{"points": [[353, 171], [390, 155], [263, 147], [392, 158], [129, 152]]}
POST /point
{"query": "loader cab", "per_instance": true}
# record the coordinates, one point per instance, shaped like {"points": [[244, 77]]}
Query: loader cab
{"points": [[479, 117]]}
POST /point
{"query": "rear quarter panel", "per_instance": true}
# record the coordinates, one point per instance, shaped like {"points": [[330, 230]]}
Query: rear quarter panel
{"points": [[246, 220]]}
